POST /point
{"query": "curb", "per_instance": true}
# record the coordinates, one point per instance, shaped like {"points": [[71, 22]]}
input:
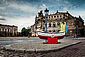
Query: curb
{"points": [[78, 38], [40, 50]]}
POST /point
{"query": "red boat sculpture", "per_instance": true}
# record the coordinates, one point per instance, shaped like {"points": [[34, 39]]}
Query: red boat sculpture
{"points": [[44, 35]]}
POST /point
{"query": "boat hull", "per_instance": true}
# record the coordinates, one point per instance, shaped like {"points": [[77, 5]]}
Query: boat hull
{"points": [[46, 37], [43, 35]]}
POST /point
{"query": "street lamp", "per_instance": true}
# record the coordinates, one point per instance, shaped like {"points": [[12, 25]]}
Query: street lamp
{"points": [[77, 31], [46, 14]]}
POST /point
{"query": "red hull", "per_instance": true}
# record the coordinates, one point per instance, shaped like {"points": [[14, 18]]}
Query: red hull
{"points": [[46, 37]]}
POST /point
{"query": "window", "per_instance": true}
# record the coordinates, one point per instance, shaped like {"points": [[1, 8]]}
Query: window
{"points": [[57, 16], [60, 15], [8, 30], [49, 30], [64, 17], [44, 21], [53, 30], [63, 22], [54, 25], [38, 19], [58, 30], [49, 16], [54, 16], [58, 24], [2, 29], [49, 24], [36, 27]]}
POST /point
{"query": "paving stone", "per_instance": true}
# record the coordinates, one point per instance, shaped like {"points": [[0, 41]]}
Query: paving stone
{"points": [[77, 50]]}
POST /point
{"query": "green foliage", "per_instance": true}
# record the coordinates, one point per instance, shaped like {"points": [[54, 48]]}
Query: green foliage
{"points": [[25, 31]]}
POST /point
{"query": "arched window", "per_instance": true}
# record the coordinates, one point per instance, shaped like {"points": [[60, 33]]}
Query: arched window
{"points": [[2, 29], [49, 30], [36, 27], [8, 30], [44, 21], [54, 16], [63, 22], [38, 19], [58, 24], [58, 30], [49, 24], [54, 25], [53, 30]]}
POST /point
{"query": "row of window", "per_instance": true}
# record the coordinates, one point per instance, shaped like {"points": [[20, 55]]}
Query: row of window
{"points": [[6, 30], [53, 31], [54, 17], [54, 24], [51, 17], [58, 16]]}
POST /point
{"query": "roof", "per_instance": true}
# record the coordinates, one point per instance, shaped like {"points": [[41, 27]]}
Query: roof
{"points": [[8, 25]]}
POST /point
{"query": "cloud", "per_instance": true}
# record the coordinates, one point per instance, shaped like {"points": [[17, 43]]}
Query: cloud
{"points": [[14, 9], [24, 7], [18, 14], [77, 13], [1, 18], [65, 9], [19, 21], [43, 7], [22, 14]]}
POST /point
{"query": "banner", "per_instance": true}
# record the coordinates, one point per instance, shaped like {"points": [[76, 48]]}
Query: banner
{"points": [[61, 27], [66, 28]]}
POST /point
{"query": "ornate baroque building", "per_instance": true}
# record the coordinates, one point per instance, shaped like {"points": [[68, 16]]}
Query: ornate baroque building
{"points": [[8, 31], [76, 24]]}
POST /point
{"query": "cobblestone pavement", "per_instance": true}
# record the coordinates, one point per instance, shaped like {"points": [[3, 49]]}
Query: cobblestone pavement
{"points": [[77, 50]]}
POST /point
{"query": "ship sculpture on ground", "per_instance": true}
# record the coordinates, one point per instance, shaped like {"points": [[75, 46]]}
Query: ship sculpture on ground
{"points": [[59, 35]]}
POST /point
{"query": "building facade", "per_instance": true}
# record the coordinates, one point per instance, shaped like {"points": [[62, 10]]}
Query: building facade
{"points": [[76, 24], [84, 30], [8, 31]]}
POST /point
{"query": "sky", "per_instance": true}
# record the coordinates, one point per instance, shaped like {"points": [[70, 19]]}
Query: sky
{"points": [[22, 13]]}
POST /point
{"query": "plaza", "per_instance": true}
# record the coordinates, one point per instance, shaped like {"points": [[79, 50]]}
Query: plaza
{"points": [[67, 47]]}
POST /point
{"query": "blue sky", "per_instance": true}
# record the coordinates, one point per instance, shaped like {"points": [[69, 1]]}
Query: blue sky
{"points": [[22, 12]]}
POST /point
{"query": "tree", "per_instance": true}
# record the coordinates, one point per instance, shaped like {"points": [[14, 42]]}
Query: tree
{"points": [[25, 31]]}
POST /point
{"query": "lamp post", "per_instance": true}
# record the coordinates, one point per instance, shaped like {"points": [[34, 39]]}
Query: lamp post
{"points": [[46, 14], [77, 30]]}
